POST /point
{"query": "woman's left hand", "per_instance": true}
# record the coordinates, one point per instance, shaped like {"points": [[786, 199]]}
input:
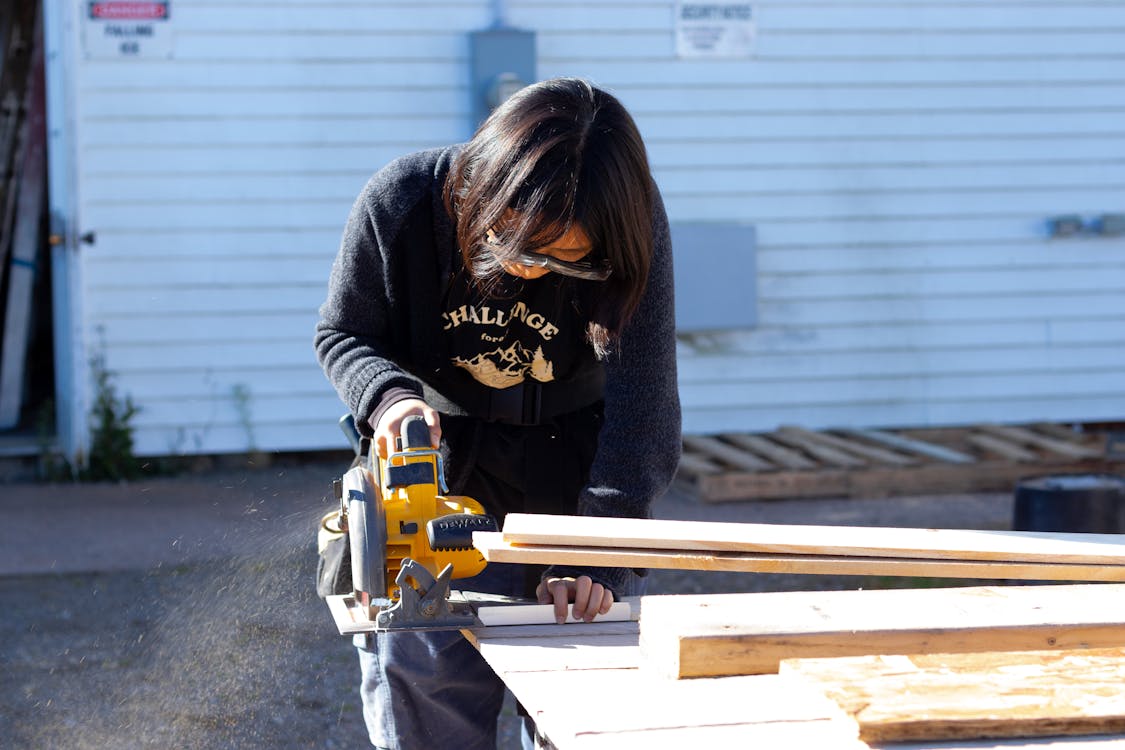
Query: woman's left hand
{"points": [[590, 599]]}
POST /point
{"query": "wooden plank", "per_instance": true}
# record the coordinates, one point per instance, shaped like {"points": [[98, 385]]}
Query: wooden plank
{"points": [[495, 549], [1002, 448], [696, 466], [735, 486], [799, 439], [920, 447], [974, 696], [597, 628], [856, 448], [763, 446], [990, 475], [1061, 432], [714, 448], [496, 615], [709, 636], [1028, 437], [864, 541]]}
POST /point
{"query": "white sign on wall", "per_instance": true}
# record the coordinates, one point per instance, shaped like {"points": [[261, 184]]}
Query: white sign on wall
{"points": [[127, 28], [716, 29]]}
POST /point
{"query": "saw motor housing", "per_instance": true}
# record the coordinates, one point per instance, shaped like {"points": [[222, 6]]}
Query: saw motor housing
{"points": [[409, 539]]}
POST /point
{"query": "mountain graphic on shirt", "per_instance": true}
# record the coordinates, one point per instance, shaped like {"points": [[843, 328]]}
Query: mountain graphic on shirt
{"points": [[508, 366]]}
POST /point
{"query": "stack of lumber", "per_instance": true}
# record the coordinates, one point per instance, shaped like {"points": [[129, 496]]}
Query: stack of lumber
{"points": [[825, 550], [864, 666], [796, 462], [738, 634], [577, 680]]}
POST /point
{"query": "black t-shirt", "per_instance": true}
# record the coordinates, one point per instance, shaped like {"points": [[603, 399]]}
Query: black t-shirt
{"points": [[524, 330]]}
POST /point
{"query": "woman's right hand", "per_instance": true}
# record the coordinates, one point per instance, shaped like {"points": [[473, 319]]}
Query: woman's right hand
{"points": [[389, 426]]}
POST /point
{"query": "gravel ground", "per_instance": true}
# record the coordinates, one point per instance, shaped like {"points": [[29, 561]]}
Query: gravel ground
{"points": [[236, 651]]}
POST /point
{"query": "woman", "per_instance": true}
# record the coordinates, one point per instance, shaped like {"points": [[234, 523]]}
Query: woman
{"points": [[516, 292]]}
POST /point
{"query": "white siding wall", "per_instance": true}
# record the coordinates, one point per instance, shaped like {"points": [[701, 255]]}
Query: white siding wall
{"points": [[898, 159]]}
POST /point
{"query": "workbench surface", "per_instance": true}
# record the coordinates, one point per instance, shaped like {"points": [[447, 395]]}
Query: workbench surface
{"points": [[585, 689]]}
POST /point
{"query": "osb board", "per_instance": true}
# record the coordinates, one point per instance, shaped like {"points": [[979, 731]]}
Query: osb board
{"points": [[792, 462], [974, 696]]}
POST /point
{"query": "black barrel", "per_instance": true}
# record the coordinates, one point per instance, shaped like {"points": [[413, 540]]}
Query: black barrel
{"points": [[1080, 503]]}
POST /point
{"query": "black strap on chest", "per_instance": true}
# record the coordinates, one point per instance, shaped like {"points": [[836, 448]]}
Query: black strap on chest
{"points": [[528, 403]]}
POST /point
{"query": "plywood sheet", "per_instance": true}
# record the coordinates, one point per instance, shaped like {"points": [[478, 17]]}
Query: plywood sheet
{"points": [[973, 696], [577, 707]]}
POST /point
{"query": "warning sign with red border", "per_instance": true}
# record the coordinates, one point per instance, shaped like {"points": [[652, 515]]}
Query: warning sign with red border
{"points": [[127, 28]]}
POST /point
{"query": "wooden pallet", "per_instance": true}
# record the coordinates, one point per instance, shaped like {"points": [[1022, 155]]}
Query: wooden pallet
{"points": [[793, 462]]}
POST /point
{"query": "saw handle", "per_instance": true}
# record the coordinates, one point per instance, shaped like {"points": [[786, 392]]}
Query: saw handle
{"points": [[415, 433]]}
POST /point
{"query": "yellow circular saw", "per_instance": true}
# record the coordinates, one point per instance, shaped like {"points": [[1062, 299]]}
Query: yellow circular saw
{"points": [[408, 540]]}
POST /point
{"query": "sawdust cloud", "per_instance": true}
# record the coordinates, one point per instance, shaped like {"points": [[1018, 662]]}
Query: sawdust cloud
{"points": [[240, 654]]}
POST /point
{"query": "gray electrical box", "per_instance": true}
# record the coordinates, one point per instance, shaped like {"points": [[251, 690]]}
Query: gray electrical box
{"points": [[716, 276], [501, 61]]}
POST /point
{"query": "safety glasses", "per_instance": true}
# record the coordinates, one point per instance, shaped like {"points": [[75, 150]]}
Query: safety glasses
{"points": [[579, 269]]}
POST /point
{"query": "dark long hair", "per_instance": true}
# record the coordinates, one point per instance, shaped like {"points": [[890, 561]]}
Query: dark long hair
{"points": [[558, 153]]}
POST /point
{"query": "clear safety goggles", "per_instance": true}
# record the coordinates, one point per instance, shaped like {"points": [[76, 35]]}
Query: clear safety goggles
{"points": [[579, 269]]}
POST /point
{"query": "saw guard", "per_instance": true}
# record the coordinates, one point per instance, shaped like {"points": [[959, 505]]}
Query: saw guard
{"points": [[368, 533]]}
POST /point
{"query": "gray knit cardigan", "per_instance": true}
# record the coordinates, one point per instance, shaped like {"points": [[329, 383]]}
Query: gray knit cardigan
{"points": [[378, 325]]}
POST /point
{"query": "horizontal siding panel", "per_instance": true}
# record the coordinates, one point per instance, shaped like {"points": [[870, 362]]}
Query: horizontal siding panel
{"points": [[558, 46], [875, 205], [686, 73], [186, 300], [1021, 254], [263, 410], [342, 74], [918, 362], [695, 350], [870, 151], [177, 440], [295, 185], [1040, 306], [331, 20], [326, 214], [138, 274], [373, 102], [760, 207], [923, 388], [159, 328], [295, 351], [218, 160], [789, 153], [196, 244], [194, 383], [315, 128], [916, 413], [797, 232], [707, 99], [291, 186], [969, 18], [1059, 175], [170, 75], [974, 284], [906, 124], [353, 45]]}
